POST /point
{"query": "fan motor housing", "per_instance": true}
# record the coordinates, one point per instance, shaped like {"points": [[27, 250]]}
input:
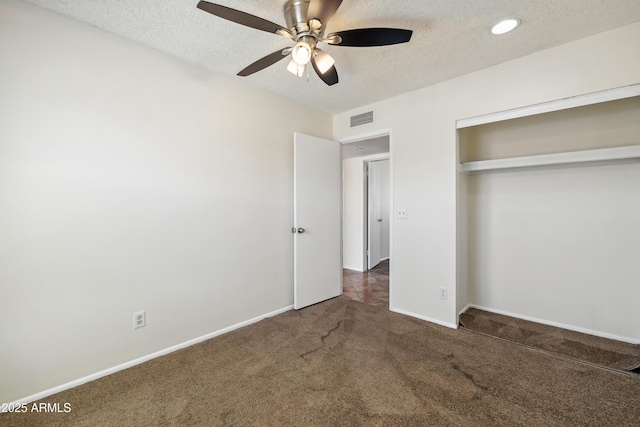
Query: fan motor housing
{"points": [[295, 14]]}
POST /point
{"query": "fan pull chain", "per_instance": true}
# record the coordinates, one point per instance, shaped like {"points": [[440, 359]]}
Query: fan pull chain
{"points": [[307, 68]]}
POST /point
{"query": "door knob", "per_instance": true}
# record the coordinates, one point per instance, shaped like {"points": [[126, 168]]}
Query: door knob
{"points": [[380, 220], [301, 230]]}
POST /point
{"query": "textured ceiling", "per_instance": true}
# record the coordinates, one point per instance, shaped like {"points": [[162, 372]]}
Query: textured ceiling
{"points": [[451, 38]]}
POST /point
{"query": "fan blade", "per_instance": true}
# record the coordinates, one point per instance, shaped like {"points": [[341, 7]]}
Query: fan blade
{"points": [[263, 63], [323, 10], [330, 77], [243, 18], [365, 37]]}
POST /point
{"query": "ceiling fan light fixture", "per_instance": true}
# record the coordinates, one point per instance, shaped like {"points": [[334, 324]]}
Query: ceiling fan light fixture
{"points": [[302, 53], [295, 68], [323, 60], [306, 22], [505, 26]]}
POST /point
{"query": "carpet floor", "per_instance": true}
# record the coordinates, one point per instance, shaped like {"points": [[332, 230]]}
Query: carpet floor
{"points": [[589, 348], [345, 363]]}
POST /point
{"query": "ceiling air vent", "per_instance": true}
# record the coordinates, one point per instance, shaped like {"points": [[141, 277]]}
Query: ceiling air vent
{"points": [[362, 119]]}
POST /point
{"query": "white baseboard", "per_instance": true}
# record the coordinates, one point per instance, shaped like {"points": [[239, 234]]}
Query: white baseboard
{"points": [[468, 306], [428, 319], [148, 357], [556, 324]]}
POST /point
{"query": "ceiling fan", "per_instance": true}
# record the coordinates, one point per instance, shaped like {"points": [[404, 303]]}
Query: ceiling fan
{"points": [[306, 23]]}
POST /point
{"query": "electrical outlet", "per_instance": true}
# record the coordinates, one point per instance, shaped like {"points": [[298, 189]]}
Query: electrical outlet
{"points": [[402, 213], [139, 320], [443, 293]]}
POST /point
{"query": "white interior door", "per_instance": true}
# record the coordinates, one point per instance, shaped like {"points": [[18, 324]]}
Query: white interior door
{"points": [[317, 220], [374, 217]]}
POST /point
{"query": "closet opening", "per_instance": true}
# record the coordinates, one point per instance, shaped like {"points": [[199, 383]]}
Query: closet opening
{"points": [[549, 236]]}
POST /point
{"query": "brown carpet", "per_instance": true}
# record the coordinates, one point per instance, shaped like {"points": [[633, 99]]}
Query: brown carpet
{"points": [[345, 363], [589, 348]]}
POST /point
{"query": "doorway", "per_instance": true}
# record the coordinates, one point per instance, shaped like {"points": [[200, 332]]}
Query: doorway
{"points": [[367, 220], [378, 209]]}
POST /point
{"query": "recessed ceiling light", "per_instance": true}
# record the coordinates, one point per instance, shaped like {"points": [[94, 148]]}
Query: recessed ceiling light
{"points": [[505, 26]]}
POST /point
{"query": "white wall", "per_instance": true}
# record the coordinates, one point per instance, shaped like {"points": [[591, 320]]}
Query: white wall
{"points": [[385, 209], [131, 181], [559, 244], [353, 236], [427, 243]]}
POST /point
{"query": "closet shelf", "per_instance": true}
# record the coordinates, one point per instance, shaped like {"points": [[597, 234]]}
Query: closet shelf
{"points": [[603, 154]]}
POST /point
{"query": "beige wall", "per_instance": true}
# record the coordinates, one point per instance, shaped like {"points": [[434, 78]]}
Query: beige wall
{"points": [[131, 181], [429, 247]]}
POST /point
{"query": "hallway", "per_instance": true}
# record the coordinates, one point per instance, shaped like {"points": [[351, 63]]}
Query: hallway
{"points": [[370, 287]]}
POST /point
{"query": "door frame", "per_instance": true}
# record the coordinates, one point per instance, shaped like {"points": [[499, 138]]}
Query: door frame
{"points": [[362, 137]]}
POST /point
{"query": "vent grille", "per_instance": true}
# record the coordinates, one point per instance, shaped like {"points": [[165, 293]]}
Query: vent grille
{"points": [[362, 119]]}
